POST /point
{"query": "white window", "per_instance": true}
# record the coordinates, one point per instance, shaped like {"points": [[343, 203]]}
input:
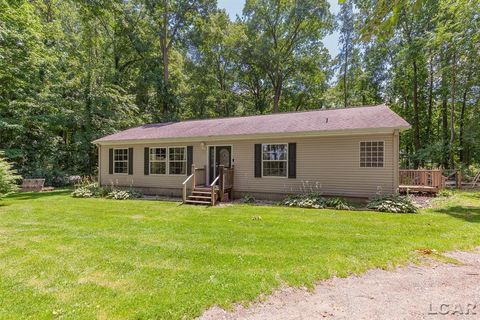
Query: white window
{"points": [[371, 154], [177, 160], [158, 160], [274, 160], [120, 161]]}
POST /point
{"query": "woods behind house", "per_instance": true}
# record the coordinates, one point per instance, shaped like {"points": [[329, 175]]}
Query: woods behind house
{"points": [[72, 71]]}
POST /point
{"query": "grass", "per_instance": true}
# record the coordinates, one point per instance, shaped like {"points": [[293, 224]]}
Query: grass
{"points": [[67, 258]]}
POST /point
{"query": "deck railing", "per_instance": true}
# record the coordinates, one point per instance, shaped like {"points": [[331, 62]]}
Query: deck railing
{"points": [[422, 178]]}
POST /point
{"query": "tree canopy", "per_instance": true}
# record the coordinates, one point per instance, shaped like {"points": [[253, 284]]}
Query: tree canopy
{"points": [[72, 71]]}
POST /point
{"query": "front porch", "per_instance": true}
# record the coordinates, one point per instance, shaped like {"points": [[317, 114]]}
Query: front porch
{"points": [[196, 190]]}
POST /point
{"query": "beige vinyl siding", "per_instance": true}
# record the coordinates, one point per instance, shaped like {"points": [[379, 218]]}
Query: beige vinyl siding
{"points": [[138, 179], [330, 165]]}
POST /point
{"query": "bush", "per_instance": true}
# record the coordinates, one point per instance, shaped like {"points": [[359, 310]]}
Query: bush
{"points": [[118, 194], [315, 200], [88, 189], [338, 203], [393, 203], [445, 193], [305, 200], [8, 177], [248, 198], [82, 192]]}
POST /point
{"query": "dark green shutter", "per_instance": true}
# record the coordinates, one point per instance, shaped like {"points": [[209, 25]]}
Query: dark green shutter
{"points": [[130, 161], [292, 160], [110, 161], [146, 159], [189, 159], [258, 160]]}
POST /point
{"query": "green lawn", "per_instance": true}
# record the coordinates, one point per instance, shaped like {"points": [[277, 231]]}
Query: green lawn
{"points": [[92, 258]]}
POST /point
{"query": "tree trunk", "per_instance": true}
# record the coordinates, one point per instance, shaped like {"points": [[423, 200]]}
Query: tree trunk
{"points": [[277, 94], [461, 153], [165, 59], [452, 111], [416, 117], [345, 70], [445, 158], [430, 101]]}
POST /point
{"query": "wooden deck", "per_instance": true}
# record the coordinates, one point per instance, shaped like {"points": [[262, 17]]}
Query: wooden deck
{"points": [[421, 180]]}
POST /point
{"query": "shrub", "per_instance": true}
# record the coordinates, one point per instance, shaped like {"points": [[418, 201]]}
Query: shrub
{"points": [[118, 194], [248, 198], [88, 189], [393, 203], [82, 192], [8, 177], [338, 203], [315, 200], [305, 200], [445, 193]]}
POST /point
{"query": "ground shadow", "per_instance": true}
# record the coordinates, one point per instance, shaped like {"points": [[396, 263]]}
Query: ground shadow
{"points": [[467, 213], [36, 195]]}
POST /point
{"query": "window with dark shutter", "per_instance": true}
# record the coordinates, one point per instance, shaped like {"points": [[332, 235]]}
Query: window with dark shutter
{"points": [[146, 166], [258, 160], [189, 159], [130, 161], [110, 161], [292, 160]]}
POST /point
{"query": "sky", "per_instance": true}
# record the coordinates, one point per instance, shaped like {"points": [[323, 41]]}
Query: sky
{"points": [[234, 7]]}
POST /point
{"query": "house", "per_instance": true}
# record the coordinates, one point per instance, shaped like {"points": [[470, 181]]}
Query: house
{"points": [[350, 152]]}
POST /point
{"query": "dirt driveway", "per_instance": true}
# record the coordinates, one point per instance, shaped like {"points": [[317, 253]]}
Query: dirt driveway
{"points": [[431, 291]]}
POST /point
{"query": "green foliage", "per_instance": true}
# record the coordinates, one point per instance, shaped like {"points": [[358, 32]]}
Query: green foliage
{"points": [[445, 193], [305, 200], [118, 194], [82, 192], [89, 189], [248, 198], [8, 177], [338, 203], [73, 71], [315, 200], [393, 203]]}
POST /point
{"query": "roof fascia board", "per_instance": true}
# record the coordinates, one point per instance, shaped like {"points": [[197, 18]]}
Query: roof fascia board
{"points": [[256, 136]]}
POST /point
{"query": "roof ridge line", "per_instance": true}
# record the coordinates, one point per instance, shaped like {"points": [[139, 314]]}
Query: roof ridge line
{"points": [[270, 114]]}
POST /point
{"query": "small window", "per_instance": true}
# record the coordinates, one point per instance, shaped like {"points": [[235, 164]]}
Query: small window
{"points": [[274, 160], [158, 160], [120, 161], [177, 160], [371, 154]]}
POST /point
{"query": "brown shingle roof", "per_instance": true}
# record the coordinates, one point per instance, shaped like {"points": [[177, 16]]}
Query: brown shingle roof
{"points": [[358, 118]]}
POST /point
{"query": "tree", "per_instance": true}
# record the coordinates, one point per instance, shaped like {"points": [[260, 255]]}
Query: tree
{"points": [[347, 47], [279, 32], [172, 19], [8, 177]]}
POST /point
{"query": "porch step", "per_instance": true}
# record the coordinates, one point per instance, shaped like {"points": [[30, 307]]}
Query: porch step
{"points": [[201, 192], [198, 202], [200, 197], [202, 189]]}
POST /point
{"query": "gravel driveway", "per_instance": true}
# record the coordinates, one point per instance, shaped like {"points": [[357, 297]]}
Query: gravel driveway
{"points": [[431, 291]]}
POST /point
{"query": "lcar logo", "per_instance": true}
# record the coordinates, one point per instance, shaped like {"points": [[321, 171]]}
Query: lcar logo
{"points": [[467, 309]]}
